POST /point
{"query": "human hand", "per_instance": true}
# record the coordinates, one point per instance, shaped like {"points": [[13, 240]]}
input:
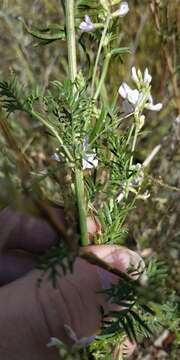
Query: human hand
{"points": [[45, 312]]}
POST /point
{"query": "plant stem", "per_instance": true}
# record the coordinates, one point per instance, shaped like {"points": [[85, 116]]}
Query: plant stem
{"points": [[130, 134], [71, 44], [79, 188], [79, 183], [134, 142], [103, 75], [99, 52]]}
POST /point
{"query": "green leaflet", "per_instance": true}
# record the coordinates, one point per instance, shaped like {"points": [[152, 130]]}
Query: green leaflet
{"points": [[46, 35], [119, 51]]}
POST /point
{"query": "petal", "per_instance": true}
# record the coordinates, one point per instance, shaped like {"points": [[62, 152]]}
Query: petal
{"points": [[133, 96], [89, 161], [83, 26], [123, 9], [156, 107], [127, 107], [87, 25], [134, 75], [150, 99], [124, 90], [88, 19], [147, 77]]}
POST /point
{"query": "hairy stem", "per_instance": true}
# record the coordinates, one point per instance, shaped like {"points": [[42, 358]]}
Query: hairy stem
{"points": [[79, 183], [71, 44], [79, 188]]}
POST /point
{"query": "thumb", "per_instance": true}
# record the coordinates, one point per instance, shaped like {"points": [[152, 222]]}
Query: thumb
{"points": [[83, 289]]}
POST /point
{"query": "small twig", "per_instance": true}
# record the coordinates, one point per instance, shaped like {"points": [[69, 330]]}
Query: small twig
{"points": [[95, 260], [151, 156]]}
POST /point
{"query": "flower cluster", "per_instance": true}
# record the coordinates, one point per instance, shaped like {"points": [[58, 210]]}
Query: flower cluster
{"points": [[139, 98]]}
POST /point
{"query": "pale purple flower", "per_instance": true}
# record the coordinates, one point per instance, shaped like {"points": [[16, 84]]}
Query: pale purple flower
{"points": [[87, 25], [123, 9], [134, 96], [78, 343], [89, 159]]}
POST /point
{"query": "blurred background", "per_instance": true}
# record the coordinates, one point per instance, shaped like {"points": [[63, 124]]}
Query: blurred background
{"points": [[152, 31]]}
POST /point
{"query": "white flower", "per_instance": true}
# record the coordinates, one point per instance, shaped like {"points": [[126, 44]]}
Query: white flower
{"points": [[177, 120], [147, 77], [138, 78], [127, 107], [123, 9], [132, 95], [134, 75], [123, 90], [154, 107], [87, 25], [151, 106], [89, 159]]}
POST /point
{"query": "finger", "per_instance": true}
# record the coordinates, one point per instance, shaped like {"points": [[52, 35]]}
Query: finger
{"points": [[23, 231], [14, 265], [81, 292], [46, 312], [119, 257]]}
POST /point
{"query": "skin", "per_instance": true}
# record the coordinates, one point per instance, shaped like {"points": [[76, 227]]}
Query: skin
{"points": [[31, 315]]}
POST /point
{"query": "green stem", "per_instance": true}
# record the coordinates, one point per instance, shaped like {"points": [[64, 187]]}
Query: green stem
{"points": [[71, 43], [130, 134], [136, 132], [79, 183], [99, 52], [134, 142], [103, 75], [79, 187], [54, 132]]}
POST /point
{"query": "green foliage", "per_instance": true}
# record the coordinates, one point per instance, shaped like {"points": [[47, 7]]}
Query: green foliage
{"points": [[12, 95], [57, 259]]}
